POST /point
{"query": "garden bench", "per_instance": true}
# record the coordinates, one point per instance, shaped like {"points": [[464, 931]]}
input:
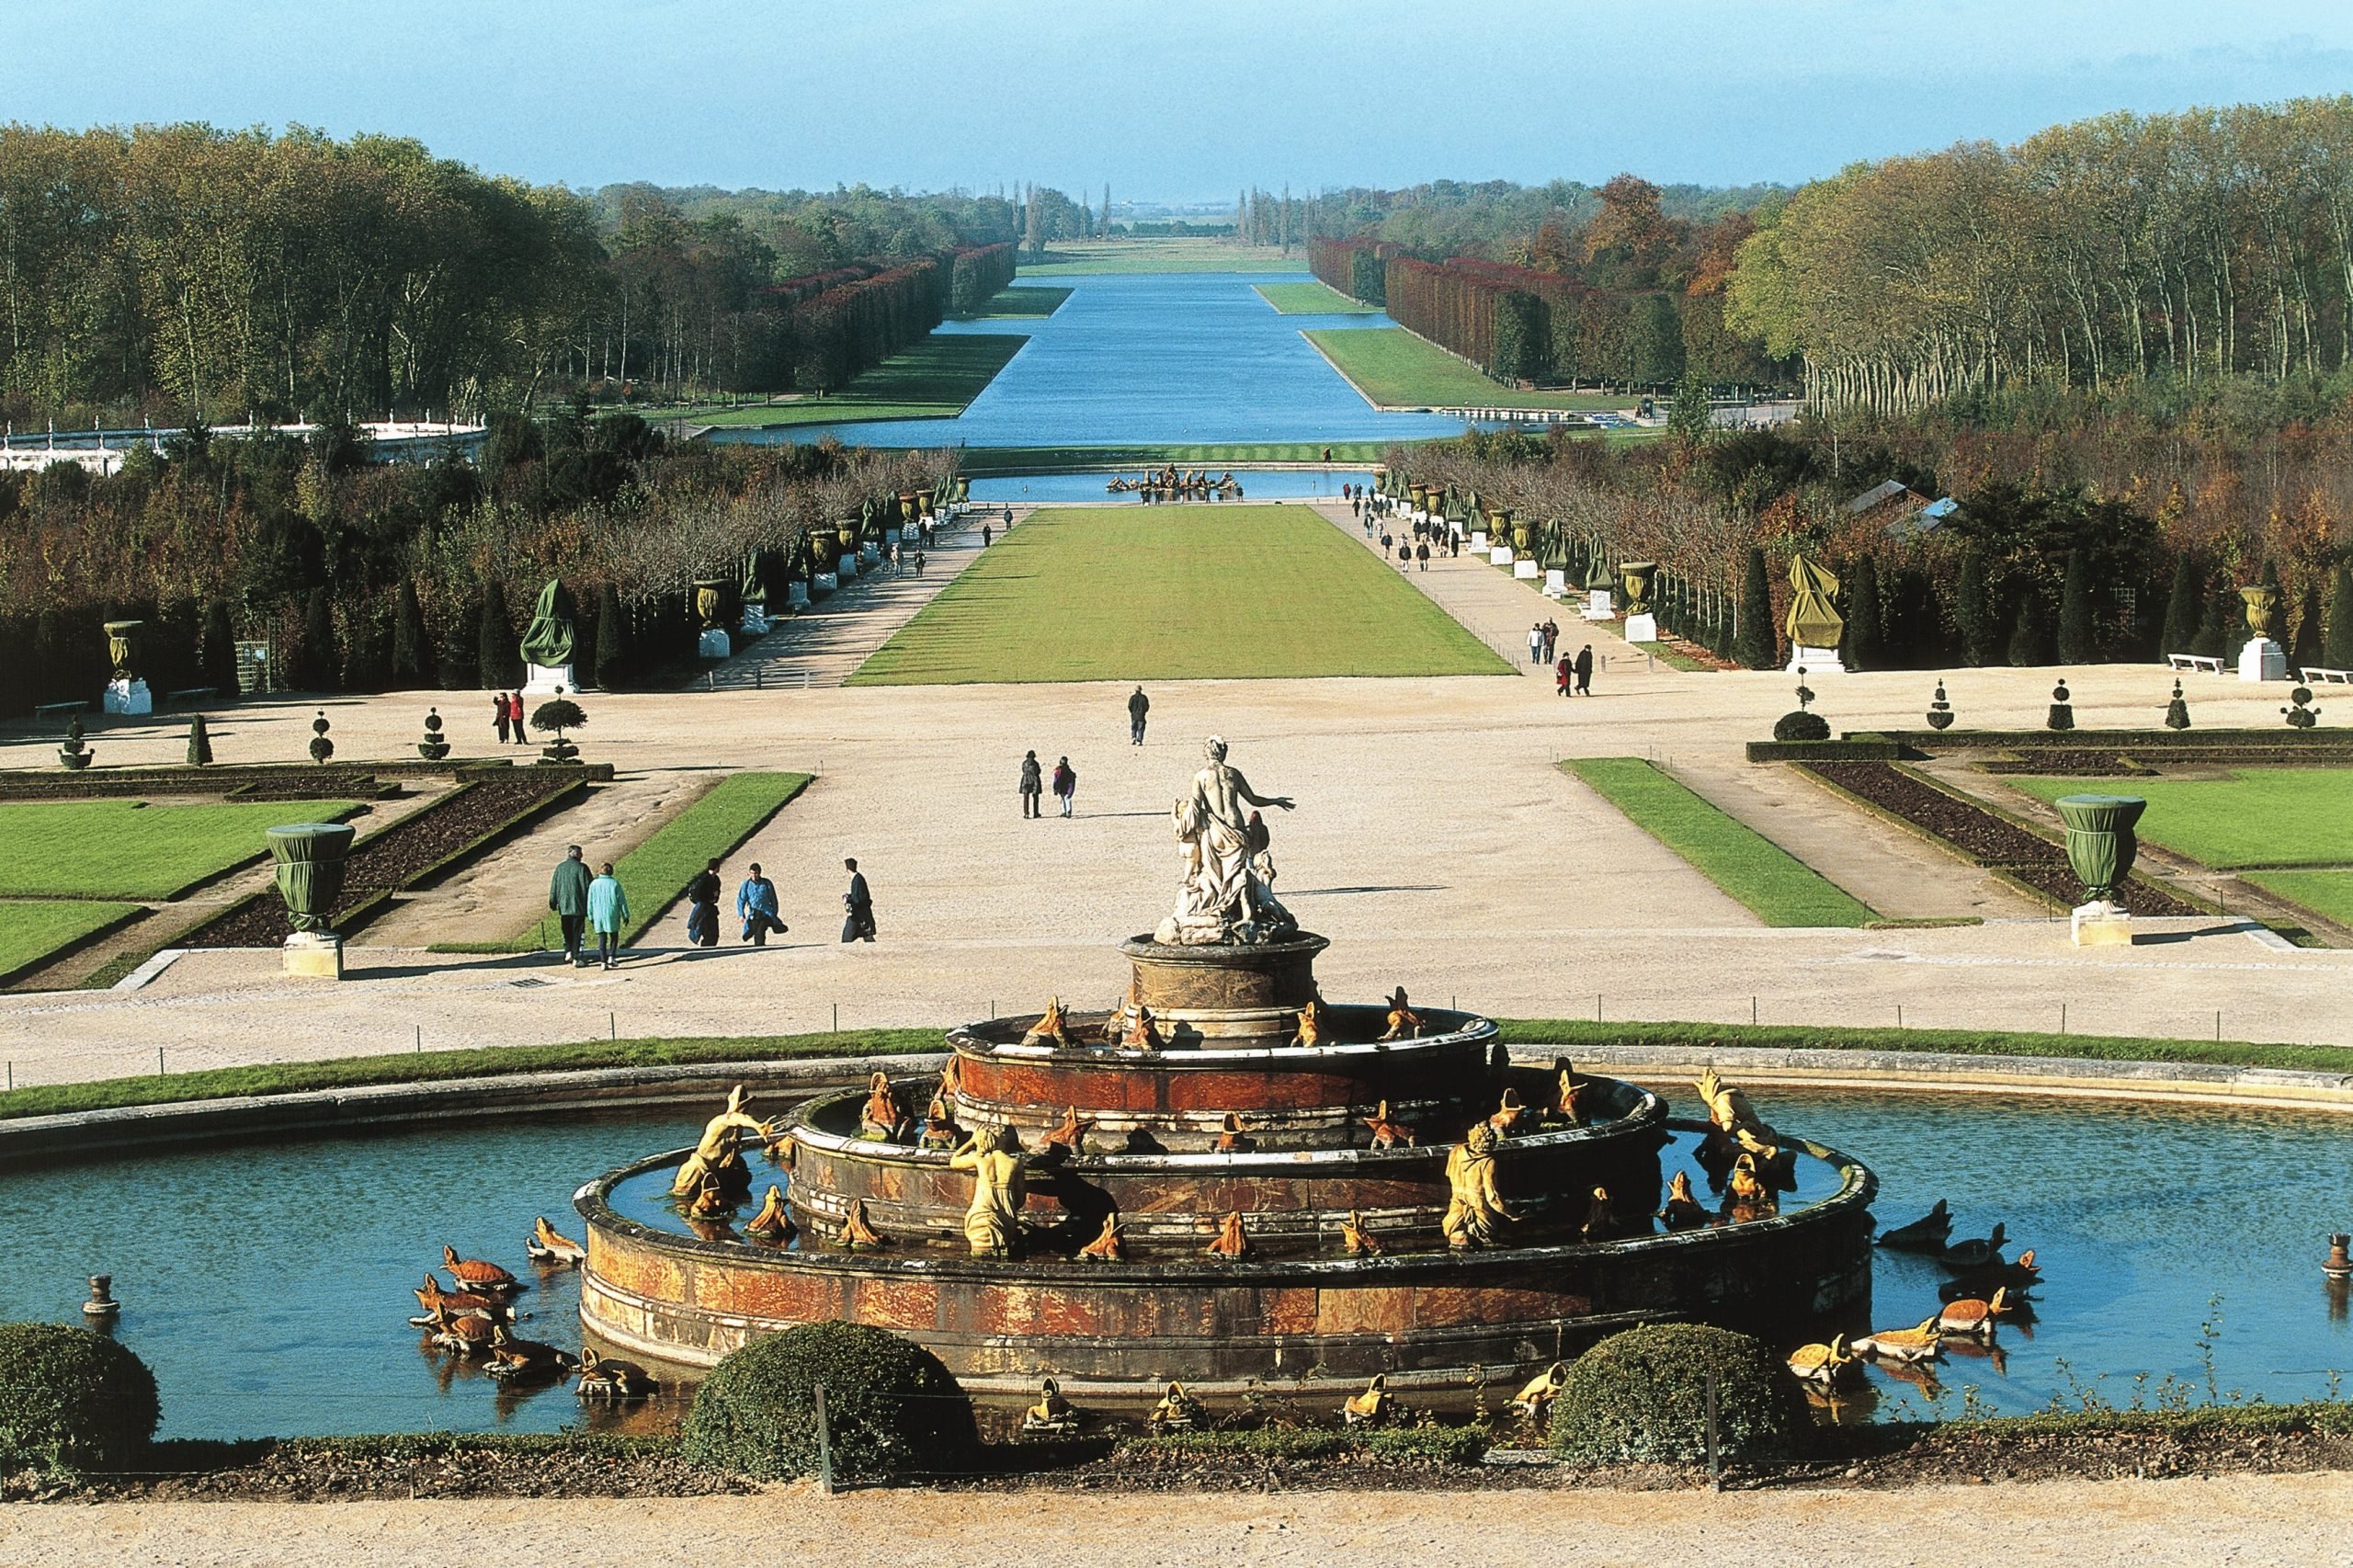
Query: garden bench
{"points": [[2210, 665], [191, 694], [2334, 678], [58, 710]]}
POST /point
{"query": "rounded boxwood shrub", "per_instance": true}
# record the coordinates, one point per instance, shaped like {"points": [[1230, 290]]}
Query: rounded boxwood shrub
{"points": [[71, 1400], [1801, 725], [891, 1407], [1641, 1397]]}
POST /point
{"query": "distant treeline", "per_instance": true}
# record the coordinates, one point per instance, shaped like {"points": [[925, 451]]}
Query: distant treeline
{"points": [[183, 273], [1634, 297], [2188, 245]]}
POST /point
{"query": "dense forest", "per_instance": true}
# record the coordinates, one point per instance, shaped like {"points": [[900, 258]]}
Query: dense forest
{"points": [[182, 273]]}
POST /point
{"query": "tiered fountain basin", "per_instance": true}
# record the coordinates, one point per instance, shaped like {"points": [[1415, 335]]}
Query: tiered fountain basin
{"points": [[1299, 1169]]}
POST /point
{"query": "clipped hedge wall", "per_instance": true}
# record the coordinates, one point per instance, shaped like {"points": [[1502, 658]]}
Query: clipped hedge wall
{"points": [[72, 1400], [1826, 751], [1640, 1397], [891, 1407]]}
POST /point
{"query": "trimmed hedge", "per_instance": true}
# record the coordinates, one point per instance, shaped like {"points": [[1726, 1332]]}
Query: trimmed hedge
{"points": [[1402, 1445], [2146, 742], [1851, 750], [72, 1400], [1801, 725], [1640, 1397], [891, 1407]]}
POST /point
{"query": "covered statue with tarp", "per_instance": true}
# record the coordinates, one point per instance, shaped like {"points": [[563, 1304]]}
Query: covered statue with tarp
{"points": [[548, 640], [1814, 627]]}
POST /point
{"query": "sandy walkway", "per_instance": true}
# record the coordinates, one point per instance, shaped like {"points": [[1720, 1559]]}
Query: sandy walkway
{"points": [[2251, 1519]]}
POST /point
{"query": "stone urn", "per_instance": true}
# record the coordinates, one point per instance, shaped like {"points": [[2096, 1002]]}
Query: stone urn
{"points": [[310, 857], [1635, 576], [2262, 602], [122, 647], [963, 487], [711, 594], [2100, 847]]}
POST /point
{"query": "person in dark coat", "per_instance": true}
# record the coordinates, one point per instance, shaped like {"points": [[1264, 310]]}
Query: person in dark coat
{"points": [[499, 714], [1422, 555], [857, 905], [1032, 785], [1065, 785], [1138, 706], [1585, 671], [568, 896], [702, 906]]}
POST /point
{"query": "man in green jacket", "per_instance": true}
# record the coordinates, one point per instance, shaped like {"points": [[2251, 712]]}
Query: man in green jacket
{"points": [[568, 896]]}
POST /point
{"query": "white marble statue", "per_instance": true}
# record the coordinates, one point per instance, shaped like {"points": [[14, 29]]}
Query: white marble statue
{"points": [[1227, 891]]}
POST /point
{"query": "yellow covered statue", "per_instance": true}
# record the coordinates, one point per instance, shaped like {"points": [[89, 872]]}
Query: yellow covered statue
{"points": [[1813, 620]]}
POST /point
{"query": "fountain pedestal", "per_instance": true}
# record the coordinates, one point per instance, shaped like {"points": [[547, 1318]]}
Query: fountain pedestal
{"points": [[2262, 659], [315, 955]]}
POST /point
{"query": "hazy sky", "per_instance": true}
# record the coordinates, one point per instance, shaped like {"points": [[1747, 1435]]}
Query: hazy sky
{"points": [[1179, 99]]}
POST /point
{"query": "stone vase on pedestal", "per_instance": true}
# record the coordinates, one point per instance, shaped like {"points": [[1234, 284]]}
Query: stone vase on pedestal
{"points": [[2101, 846], [711, 599], [127, 692], [309, 857]]}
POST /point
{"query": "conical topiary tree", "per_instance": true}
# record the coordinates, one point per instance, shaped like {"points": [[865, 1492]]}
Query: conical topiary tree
{"points": [[2181, 609], [1866, 623], [612, 639], [200, 743], [217, 656], [2078, 642], [1756, 644], [2030, 639], [1973, 613], [2207, 642], [2177, 711], [2337, 647], [412, 657], [497, 650], [318, 664]]}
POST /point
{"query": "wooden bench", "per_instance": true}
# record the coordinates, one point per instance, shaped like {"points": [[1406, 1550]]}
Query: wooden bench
{"points": [[2206, 662], [191, 694], [2316, 673], [59, 709]]}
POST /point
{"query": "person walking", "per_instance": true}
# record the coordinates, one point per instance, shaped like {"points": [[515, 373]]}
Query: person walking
{"points": [[1585, 671], [515, 713], [499, 714], [1422, 554], [702, 906], [607, 913], [857, 905], [1066, 784], [568, 896], [1138, 706], [1032, 785], [756, 907], [1404, 556], [984, 535], [1536, 643], [1551, 639], [1008, 518], [1565, 672]]}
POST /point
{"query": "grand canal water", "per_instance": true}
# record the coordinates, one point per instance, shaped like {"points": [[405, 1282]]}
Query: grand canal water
{"points": [[268, 1284], [1156, 357]]}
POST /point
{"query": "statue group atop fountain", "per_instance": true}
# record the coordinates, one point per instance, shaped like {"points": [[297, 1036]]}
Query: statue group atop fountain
{"points": [[1227, 894]]}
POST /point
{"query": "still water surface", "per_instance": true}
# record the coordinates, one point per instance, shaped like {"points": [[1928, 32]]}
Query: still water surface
{"points": [[1179, 357], [268, 1285]]}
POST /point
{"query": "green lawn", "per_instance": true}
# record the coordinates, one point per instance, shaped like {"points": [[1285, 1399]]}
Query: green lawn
{"points": [[1163, 256], [2328, 893], [1041, 459], [1019, 302], [33, 928], [1317, 299], [934, 379], [1777, 887], [124, 849], [1168, 593], [1397, 369], [2256, 817]]}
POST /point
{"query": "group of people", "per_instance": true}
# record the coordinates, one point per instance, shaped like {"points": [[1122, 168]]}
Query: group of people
{"points": [[506, 714], [1033, 784], [596, 905]]}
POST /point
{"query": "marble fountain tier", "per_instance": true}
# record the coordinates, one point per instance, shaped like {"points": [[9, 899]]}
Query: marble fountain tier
{"points": [[1227, 1182]]}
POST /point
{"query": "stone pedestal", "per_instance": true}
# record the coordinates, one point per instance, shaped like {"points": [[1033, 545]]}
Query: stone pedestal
{"points": [[1597, 606], [2262, 659], [1556, 584], [755, 620], [715, 645], [315, 955], [890, 534], [128, 697], [827, 582], [1525, 568], [1501, 555], [1816, 662], [797, 595], [546, 680], [869, 553], [1479, 541], [1643, 627], [846, 568], [2098, 924]]}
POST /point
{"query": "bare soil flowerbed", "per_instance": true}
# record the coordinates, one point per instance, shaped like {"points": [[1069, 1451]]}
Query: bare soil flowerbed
{"points": [[1981, 836], [467, 820]]}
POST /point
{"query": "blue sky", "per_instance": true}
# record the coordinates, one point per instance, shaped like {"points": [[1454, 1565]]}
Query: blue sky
{"points": [[1180, 99]]}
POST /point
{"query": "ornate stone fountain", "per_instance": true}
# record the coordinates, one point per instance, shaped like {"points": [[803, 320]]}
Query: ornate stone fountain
{"points": [[1221, 1179]]}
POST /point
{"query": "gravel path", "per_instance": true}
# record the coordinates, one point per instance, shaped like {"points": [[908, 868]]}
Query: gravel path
{"points": [[2250, 1519]]}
